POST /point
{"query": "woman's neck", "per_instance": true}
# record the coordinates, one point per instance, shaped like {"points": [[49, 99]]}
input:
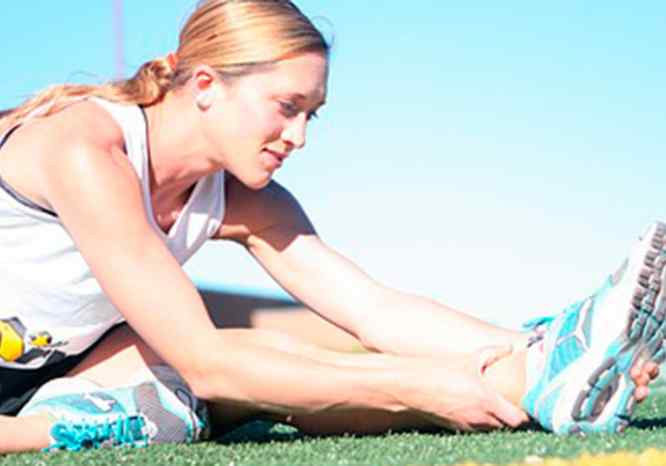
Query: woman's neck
{"points": [[177, 155]]}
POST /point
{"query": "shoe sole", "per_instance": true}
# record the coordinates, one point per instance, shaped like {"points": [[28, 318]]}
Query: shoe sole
{"points": [[607, 399]]}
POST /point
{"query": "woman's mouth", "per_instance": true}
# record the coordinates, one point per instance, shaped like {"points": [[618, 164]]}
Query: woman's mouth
{"points": [[272, 159]]}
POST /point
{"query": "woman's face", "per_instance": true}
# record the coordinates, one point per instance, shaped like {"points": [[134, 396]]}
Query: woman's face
{"points": [[255, 122]]}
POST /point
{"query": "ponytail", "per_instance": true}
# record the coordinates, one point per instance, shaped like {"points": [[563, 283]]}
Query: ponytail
{"points": [[232, 37], [147, 87]]}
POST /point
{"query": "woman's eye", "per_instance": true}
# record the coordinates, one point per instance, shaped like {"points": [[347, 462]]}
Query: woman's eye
{"points": [[289, 109]]}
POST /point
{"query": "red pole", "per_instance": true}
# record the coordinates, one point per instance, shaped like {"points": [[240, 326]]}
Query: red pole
{"points": [[118, 39]]}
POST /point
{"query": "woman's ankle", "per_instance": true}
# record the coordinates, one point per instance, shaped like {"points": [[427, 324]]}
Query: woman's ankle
{"points": [[507, 376]]}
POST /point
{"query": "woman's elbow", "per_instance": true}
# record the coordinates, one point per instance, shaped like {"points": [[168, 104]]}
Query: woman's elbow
{"points": [[215, 369], [198, 367], [195, 375]]}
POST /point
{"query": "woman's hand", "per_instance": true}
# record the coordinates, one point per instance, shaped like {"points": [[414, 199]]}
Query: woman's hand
{"points": [[643, 374], [454, 395]]}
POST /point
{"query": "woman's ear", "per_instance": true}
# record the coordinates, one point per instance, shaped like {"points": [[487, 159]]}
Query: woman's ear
{"points": [[204, 85]]}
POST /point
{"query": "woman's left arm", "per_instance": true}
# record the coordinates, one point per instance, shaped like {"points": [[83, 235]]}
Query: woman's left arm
{"points": [[271, 224]]}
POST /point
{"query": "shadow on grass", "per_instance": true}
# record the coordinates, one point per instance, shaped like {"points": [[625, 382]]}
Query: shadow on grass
{"points": [[260, 432], [649, 424], [263, 432]]}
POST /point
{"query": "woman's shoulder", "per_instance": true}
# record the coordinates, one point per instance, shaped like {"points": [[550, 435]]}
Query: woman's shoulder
{"points": [[87, 141], [80, 141], [83, 124], [90, 164], [80, 125], [82, 134]]}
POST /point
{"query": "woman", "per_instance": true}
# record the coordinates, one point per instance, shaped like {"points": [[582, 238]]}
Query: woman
{"points": [[107, 190]]}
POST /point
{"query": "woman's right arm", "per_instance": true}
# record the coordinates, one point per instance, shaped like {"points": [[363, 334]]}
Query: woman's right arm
{"points": [[98, 198]]}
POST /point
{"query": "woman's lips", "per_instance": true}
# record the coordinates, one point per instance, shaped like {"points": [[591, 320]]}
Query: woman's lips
{"points": [[273, 159]]}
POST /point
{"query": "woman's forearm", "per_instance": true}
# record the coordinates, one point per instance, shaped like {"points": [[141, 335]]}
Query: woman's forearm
{"points": [[261, 374]]}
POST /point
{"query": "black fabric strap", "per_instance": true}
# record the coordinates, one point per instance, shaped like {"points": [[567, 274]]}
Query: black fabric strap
{"points": [[16, 195]]}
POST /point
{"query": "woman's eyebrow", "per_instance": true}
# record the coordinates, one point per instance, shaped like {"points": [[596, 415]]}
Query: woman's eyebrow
{"points": [[301, 97]]}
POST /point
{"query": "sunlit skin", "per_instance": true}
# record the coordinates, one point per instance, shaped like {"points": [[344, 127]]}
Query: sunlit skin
{"points": [[274, 105], [248, 127], [278, 101]]}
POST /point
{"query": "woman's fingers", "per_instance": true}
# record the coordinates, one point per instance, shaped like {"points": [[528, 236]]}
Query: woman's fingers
{"points": [[507, 413], [643, 374], [641, 393], [652, 369]]}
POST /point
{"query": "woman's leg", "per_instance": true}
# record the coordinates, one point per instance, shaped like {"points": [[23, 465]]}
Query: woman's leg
{"points": [[114, 358], [122, 354], [118, 374], [24, 434], [291, 318], [587, 370], [276, 314], [505, 376]]}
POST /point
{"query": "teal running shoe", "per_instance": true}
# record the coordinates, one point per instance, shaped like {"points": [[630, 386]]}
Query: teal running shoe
{"points": [[583, 383], [88, 416]]}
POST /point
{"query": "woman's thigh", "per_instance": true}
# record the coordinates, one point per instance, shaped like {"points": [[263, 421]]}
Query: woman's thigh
{"points": [[117, 358], [235, 310]]}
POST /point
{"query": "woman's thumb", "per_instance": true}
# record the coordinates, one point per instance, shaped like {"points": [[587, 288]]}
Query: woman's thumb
{"points": [[491, 354]]}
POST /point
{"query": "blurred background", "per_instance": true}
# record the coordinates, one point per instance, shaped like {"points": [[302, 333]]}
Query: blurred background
{"points": [[499, 158]]}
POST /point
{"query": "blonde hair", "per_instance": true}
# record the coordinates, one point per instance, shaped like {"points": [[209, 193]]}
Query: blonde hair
{"points": [[234, 37]]}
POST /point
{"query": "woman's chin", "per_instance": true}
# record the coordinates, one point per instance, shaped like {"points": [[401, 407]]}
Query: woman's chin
{"points": [[257, 182]]}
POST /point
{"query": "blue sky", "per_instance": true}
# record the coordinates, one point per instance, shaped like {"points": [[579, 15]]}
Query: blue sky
{"points": [[501, 159]]}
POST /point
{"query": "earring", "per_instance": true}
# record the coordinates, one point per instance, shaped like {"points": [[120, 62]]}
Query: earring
{"points": [[201, 100]]}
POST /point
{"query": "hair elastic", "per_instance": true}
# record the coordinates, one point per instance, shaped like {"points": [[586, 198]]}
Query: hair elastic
{"points": [[172, 59]]}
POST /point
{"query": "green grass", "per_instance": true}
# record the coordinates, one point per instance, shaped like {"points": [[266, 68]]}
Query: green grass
{"points": [[262, 443]]}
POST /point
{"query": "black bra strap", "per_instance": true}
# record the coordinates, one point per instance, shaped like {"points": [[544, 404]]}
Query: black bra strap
{"points": [[12, 192]]}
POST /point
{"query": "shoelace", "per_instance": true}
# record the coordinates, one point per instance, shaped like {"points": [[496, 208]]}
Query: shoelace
{"points": [[545, 321], [120, 431]]}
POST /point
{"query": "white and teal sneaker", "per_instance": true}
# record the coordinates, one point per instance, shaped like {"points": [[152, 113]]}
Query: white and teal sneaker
{"points": [[579, 366], [88, 416]]}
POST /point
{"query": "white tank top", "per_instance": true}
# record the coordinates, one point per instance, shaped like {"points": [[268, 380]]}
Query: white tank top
{"points": [[51, 306]]}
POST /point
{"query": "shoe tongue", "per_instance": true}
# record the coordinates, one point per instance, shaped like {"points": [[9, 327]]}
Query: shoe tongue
{"points": [[538, 322], [535, 358]]}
